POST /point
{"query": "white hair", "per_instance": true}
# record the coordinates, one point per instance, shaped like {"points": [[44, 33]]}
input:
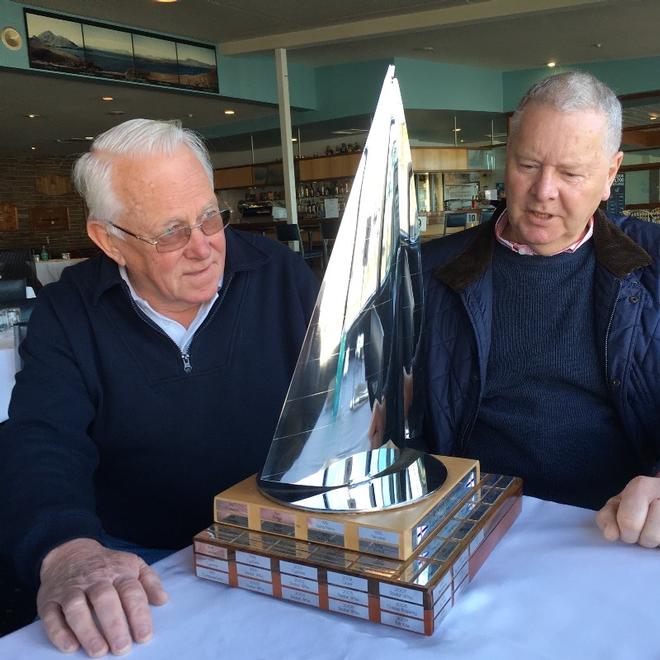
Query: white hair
{"points": [[571, 91], [92, 172]]}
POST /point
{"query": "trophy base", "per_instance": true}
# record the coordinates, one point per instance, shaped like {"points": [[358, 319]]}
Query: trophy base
{"points": [[413, 594], [395, 533]]}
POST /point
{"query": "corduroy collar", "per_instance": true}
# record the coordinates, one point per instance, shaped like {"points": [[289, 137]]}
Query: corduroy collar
{"points": [[614, 250]]}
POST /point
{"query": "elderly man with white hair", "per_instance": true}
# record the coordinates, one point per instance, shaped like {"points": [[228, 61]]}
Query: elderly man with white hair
{"points": [[153, 378]]}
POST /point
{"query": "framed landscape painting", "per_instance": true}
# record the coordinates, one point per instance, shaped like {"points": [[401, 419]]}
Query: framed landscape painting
{"points": [[197, 67], [108, 53], [55, 44], [103, 51]]}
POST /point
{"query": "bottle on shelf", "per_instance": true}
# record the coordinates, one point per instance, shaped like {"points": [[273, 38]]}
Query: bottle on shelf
{"points": [[45, 254]]}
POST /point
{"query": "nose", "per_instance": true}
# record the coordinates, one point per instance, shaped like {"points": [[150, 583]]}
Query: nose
{"points": [[198, 246], [545, 184]]}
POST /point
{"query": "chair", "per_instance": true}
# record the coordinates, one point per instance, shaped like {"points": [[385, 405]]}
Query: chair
{"points": [[288, 233], [486, 215], [19, 264], [12, 294], [455, 222], [329, 229]]}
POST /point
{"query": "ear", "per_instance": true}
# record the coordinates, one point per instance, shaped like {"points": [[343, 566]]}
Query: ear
{"points": [[98, 232], [615, 163]]}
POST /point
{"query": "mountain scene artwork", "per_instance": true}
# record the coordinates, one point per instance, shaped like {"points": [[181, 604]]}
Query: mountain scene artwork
{"points": [[71, 47]]}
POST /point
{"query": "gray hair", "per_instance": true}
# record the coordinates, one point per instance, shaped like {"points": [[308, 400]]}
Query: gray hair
{"points": [[571, 91], [92, 172]]}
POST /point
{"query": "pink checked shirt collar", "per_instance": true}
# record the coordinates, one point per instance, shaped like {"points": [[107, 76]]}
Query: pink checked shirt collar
{"points": [[503, 221]]}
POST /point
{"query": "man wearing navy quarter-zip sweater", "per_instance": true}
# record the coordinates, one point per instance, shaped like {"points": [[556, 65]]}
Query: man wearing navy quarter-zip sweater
{"points": [[153, 378], [543, 325]]}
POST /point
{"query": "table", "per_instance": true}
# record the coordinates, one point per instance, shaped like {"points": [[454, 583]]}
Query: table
{"points": [[552, 588], [7, 370], [51, 270], [8, 366]]}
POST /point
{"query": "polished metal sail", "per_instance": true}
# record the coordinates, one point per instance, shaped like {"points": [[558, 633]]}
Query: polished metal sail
{"points": [[346, 437]]}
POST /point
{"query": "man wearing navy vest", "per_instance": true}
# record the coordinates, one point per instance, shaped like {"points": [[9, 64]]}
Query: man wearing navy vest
{"points": [[543, 324]]}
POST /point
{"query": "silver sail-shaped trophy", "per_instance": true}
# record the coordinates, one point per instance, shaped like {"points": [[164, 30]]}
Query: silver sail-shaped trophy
{"points": [[347, 433]]}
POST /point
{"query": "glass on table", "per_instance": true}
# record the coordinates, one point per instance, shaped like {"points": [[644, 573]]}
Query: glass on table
{"points": [[9, 316]]}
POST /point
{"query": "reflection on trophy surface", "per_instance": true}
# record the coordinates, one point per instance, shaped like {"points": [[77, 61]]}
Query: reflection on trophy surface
{"points": [[317, 526], [346, 437]]}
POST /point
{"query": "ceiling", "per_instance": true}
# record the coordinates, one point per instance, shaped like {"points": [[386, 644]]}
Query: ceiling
{"points": [[501, 34]]}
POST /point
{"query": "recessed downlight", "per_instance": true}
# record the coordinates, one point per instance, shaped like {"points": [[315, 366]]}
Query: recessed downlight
{"points": [[228, 111], [551, 64], [32, 115], [107, 98]]}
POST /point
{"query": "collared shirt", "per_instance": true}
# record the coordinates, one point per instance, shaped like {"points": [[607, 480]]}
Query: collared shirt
{"points": [[178, 333], [503, 222]]}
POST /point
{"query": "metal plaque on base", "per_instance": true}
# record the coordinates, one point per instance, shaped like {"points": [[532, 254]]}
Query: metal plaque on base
{"points": [[393, 533]]}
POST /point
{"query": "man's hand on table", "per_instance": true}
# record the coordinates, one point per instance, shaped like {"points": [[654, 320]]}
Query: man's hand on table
{"points": [[633, 516], [96, 598]]}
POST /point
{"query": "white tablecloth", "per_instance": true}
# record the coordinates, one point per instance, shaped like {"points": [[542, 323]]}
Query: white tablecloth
{"points": [[7, 370], [51, 270], [8, 364], [552, 589]]}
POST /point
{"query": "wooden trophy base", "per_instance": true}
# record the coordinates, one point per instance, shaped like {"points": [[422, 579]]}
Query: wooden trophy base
{"points": [[413, 593], [395, 533]]}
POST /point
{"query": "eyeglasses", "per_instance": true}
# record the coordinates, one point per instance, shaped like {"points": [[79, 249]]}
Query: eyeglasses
{"points": [[178, 237]]}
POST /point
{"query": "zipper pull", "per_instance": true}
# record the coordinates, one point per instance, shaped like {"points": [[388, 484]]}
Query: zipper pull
{"points": [[187, 367]]}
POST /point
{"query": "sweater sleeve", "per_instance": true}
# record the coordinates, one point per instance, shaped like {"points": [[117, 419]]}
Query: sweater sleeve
{"points": [[47, 458]]}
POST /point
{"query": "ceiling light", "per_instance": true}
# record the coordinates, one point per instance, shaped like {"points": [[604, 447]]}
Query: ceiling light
{"points": [[166, 1], [33, 148], [350, 131], [653, 117], [89, 137], [294, 139], [230, 112], [117, 112], [597, 45], [107, 98], [456, 130], [32, 115], [552, 64]]}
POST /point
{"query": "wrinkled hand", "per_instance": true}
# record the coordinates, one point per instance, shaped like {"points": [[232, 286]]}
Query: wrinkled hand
{"points": [[633, 516], [96, 598]]}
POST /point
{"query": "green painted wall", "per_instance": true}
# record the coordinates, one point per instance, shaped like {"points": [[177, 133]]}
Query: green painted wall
{"points": [[253, 78], [336, 91], [349, 89], [11, 15], [623, 76], [329, 92], [435, 85]]}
